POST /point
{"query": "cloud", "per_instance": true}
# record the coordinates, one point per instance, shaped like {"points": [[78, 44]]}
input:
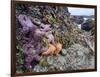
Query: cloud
{"points": [[81, 11]]}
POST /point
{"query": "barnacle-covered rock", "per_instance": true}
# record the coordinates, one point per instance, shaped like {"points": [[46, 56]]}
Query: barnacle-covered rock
{"points": [[79, 57], [50, 30]]}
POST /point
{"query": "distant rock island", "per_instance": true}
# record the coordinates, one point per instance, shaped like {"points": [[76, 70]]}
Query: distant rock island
{"points": [[79, 19], [84, 22]]}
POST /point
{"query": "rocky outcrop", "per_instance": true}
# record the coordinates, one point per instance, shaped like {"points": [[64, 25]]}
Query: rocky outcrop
{"points": [[40, 27]]}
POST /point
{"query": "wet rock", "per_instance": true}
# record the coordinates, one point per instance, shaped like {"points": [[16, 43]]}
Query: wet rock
{"points": [[86, 26]]}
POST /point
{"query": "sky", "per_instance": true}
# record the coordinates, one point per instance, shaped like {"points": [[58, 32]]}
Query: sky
{"points": [[81, 11]]}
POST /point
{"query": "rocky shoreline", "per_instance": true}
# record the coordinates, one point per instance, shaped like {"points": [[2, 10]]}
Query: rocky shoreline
{"points": [[39, 27]]}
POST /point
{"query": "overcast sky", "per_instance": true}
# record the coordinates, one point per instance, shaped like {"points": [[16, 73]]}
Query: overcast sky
{"points": [[81, 11]]}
